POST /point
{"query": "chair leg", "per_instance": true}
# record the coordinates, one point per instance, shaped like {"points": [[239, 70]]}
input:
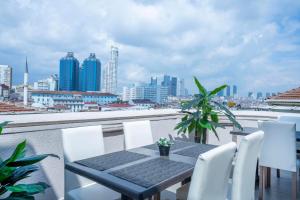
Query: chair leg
{"points": [[294, 185], [157, 196], [261, 182], [268, 181], [278, 173]]}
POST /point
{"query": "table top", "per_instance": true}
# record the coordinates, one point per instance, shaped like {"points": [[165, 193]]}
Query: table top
{"points": [[140, 173], [244, 132], [249, 130]]}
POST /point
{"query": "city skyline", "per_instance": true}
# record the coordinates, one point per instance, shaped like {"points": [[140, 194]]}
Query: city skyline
{"points": [[255, 50]]}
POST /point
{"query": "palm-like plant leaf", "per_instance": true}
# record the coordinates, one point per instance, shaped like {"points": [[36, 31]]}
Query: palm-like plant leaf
{"points": [[233, 120], [2, 125], [19, 174], [202, 113], [30, 160], [30, 189], [19, 152], [201, 89], [218, 89]]}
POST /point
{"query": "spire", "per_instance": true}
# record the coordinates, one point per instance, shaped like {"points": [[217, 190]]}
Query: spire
{"points": [[26, 67]]}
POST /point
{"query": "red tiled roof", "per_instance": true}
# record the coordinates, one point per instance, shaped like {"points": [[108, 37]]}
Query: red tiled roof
{"points": [[119, 105], [293, 94], [5, 107], [72, 92], [144, 101]]}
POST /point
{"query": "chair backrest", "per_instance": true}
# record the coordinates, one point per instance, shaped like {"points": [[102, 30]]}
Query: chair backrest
{"points": [[243, 186], [292, 119], [279, 145], [211, 174], [81, 143], [137, 134]]}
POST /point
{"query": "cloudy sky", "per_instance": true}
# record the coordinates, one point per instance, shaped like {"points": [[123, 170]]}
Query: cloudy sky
{"points": [[253, 44]]}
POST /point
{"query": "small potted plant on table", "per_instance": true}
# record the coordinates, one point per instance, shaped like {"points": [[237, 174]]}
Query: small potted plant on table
{"points": [[164, 146]]}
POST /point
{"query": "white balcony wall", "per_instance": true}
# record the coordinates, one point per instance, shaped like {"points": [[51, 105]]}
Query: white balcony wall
{"points": [[43, 135]]}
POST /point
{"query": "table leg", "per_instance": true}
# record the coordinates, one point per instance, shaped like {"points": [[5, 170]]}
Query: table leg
{"points": [[157, 196], [261, 182], [268, 181], [278, 173], [234, 138], [185, 181], [294, 185], [256, 173]]}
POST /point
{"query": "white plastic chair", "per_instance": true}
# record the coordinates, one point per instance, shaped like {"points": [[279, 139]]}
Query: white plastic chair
{"points": [[211, 175], [278, 151], [244, 174], [81, 143], [137, 134]]}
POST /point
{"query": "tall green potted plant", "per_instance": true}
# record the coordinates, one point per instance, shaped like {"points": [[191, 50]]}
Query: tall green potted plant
{"points": [[17, 168], [202, 114]]}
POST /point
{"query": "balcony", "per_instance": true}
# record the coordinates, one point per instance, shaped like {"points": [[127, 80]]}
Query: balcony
{"points": [[43, 134]]}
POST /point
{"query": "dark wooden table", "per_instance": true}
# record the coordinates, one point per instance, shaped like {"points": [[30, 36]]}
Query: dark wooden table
{"points": [[119, 178], [248, 130], [238, 132]]}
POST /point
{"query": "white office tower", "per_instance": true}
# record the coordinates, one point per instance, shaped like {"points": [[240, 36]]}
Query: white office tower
{"points": [[49, 84], [126, 94], [181, 88], [6, 75], [25, 96], [110, 73]]}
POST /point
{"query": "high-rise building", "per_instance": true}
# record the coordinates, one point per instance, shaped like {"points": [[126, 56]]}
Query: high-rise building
{"points": [[166, 81], [259, 95], [49, 84], [153, 81], [157, 94], [268, 94], [6, 75], [25, 91], [173, 86], [69, 73], [181, 87], [110, 74], [228, 94], [234, 91], [125, 94], [90, 74], [250, 94]]}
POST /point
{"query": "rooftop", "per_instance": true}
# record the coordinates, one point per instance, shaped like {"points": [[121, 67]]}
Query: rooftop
{"points": [[43, 133], [73, 93], [288, 98], [7, 108]]}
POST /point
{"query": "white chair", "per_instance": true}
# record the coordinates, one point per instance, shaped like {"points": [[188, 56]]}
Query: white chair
{"points": [[244, 174], [278, 151], [81, 143], [211, 175], [292, 119], [137, 134]]}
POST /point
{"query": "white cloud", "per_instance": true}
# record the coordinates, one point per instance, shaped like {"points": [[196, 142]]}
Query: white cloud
{"points": [[244, 43]]}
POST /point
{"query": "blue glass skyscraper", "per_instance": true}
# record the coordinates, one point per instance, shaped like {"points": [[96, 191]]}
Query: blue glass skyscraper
{"points": [[174, 86], [90, 74], [69, 73]]}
